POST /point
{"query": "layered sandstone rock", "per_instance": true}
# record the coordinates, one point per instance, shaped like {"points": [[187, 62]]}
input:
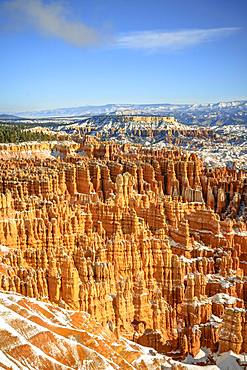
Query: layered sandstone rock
{"points": [[36, 335], [143, 240], [232, 334]]}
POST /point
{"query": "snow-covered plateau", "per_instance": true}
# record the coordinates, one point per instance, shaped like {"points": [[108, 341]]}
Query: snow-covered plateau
{"points": [[222, 143]]}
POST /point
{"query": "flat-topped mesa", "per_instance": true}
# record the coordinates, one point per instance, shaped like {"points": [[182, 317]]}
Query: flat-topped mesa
{"points": [[140, 238]]}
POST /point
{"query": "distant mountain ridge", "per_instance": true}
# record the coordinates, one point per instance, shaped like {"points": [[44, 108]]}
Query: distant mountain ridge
{"points": [[159, 109], [9, 117]]}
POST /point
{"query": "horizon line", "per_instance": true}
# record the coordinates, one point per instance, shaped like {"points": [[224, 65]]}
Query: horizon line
{"points": [[7, 112]]}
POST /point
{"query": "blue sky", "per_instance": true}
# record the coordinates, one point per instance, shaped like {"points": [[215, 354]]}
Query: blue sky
{"points": [[82, 52]]}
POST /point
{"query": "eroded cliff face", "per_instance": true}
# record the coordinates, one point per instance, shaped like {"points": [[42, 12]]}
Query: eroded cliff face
{"points": [[149, 242], [37, 335]]}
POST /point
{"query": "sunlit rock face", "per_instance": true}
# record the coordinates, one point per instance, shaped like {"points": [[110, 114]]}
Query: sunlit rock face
{"points": [[150, 243], [38, 335]]}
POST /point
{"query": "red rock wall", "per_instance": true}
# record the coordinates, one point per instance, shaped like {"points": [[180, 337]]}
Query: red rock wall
{"points": [[142, 240]]}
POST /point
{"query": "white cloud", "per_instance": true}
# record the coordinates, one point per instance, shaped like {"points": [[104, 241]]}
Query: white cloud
{"points": [[154, 40], [52, 20]]}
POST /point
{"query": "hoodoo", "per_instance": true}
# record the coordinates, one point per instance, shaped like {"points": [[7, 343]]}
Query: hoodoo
{"points": [[150, 243]]}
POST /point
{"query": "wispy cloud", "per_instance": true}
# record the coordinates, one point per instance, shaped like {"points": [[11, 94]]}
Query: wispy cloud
{"points": [[52, 19], [155, 40]]}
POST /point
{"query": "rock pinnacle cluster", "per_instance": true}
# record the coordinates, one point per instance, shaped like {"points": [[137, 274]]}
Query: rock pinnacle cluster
{"points": [[150, 242]]}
